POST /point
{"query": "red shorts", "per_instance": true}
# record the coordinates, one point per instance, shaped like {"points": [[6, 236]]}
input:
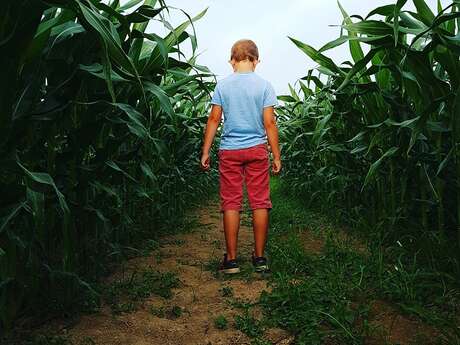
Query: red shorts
{"points": [[251, 165]]}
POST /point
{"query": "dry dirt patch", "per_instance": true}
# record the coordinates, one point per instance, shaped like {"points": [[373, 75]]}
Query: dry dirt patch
{"points": [[394, 328]]}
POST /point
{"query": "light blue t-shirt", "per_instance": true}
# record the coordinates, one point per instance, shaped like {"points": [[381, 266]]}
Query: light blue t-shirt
{"points": [[243, 96]]}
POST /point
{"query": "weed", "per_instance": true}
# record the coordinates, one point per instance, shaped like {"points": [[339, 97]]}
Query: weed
{"points": [[226, 291], [247, 324], [138, 286], [240, 303], [212, 265], [123, 307], [216, 244], [176, 311], [162, 312], [151, 245], [179, 242], [157, 311], [221, 322]]}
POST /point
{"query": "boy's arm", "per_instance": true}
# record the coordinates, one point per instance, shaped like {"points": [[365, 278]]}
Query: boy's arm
{"points": [[272, 135], [211, 128]]}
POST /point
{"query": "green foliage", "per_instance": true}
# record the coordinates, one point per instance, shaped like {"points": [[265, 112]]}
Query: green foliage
{"points": [[171, 313], [100, 134], [176, 311], [221, 322], [327, 296], [375, 142], [226, 291], [313, 299], [247, 324]]}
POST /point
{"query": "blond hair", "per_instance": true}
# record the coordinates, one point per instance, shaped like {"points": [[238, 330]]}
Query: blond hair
{"points": [[244, 49]]}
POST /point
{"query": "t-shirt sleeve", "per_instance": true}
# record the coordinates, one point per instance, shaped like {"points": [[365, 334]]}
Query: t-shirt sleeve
{"points": [[270, 96], [216, 97]]}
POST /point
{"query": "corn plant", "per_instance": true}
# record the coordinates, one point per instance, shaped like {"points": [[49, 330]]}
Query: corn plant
{"points": [[100, 127], [378, 136]]}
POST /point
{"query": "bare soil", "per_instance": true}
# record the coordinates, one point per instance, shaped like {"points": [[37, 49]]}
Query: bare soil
{"points": [[199, 295], [391, 327]]}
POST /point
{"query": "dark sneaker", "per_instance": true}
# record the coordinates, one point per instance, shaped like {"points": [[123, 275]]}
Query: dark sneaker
{"points": [[229, 266], [260, 263]]}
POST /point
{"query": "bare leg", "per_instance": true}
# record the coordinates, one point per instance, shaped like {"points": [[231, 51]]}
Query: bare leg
{"points": [[260, 228], [231, 227]]}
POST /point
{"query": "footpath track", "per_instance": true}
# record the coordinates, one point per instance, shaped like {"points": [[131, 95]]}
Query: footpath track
{"points": [[202, 295]]}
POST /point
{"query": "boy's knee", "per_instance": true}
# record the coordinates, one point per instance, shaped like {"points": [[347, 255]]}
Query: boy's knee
{"points": [[231, 206], [265, 204]]}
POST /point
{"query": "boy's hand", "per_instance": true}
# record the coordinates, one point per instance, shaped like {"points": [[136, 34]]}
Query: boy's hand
{"points": [[205, 161], [211, 128], [276, 166]]}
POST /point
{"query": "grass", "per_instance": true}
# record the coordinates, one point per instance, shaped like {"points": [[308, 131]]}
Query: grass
{"points": [[249, 325], [172, 313], [327, 296], [226, 291], [221, 322], [323, 297], [174, 242], [125, 294]]}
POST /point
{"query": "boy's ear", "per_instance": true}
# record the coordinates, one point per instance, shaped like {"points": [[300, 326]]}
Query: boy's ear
{"points": [[232, 63]]}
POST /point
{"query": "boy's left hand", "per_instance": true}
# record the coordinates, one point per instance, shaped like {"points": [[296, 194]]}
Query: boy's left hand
{"points": [[205, 161], [276, 166]]}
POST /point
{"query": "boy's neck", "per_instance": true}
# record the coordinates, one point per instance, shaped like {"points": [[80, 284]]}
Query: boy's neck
{"points": [[244, 67]]}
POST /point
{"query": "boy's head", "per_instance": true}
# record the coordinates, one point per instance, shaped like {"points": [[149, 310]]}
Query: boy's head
{"points": [[246, 51]]}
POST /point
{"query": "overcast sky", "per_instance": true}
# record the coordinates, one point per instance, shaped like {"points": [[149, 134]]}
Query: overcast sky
{"points": [[268, 23]]}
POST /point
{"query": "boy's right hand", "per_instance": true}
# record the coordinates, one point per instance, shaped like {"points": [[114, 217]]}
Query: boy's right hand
{"points": [[205, 162], [276, 166]]}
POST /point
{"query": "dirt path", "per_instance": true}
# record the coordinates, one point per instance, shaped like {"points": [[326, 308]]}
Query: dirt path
{"points": [[202, 294], [188, 316]]}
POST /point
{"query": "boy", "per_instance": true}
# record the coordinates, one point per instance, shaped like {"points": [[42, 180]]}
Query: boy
{"points": [[247, 102]]}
